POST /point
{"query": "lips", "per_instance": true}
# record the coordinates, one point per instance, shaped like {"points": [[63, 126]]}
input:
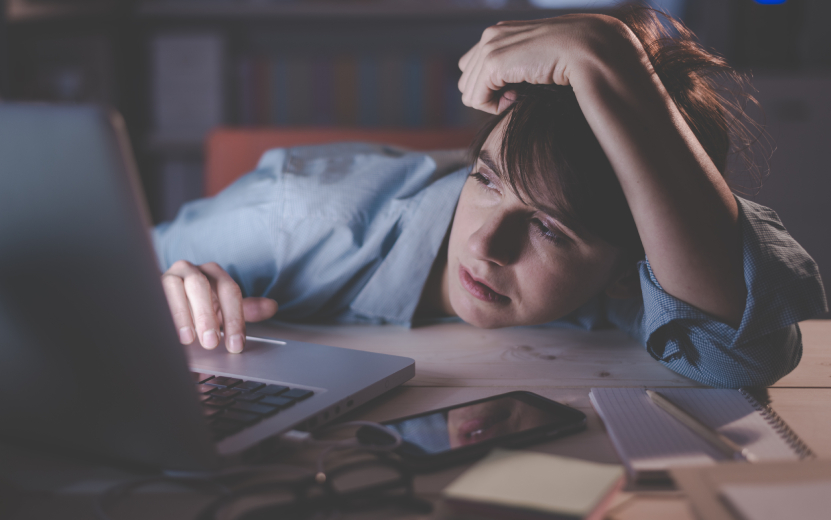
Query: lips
{"points": [[479, 289], [483, 428], [475, 430]]}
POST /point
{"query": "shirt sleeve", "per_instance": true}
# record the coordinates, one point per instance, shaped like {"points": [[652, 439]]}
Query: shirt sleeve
{"points": [[783, 288]]}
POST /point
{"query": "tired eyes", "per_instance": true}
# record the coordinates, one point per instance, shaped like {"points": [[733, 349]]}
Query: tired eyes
{"points": [[545, 231], [481, 179], [537, 225]]}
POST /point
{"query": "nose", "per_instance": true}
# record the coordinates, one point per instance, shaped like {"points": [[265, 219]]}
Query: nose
{"points": [[498, 239]]}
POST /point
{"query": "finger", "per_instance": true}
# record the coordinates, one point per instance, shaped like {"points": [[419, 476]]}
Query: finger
{"points": [[229, 297], [177, 300], [484, 92], [200, 298], [258, 309], [471, 59], [469, 75], [507, 99], [466, 58], [477, 94]]}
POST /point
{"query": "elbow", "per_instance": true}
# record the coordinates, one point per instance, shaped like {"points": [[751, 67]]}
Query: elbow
{"points": [[771, 357], [760, 362]]}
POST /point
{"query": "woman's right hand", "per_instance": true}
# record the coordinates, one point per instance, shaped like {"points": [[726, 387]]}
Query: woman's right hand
{"points": [[204, 300]]}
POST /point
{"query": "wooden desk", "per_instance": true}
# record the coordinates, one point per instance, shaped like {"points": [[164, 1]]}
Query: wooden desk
{"points": [[457, 363]]}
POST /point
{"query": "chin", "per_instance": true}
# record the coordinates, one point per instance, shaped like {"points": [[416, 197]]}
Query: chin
{"points": [[484, 324], [479, 318]]}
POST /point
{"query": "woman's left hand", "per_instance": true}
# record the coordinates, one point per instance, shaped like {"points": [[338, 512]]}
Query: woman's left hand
{"points": [[546, 51]]}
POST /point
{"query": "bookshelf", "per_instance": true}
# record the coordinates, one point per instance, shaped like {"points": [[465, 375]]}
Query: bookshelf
{"points": [[373, 63], [367, 64], [176, 68]]}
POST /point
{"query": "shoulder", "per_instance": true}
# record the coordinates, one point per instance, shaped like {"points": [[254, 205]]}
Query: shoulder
{"points": [[335, 180]]}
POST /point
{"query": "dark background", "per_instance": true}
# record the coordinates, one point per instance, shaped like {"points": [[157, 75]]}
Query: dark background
{"points": [[124, 54]]}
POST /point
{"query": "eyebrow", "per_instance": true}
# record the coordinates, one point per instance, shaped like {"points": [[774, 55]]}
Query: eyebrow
{"points": [[485, 158], [570, 224]]}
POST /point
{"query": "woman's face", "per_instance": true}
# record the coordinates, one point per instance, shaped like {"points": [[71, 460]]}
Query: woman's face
{"points": [[513, 264]]}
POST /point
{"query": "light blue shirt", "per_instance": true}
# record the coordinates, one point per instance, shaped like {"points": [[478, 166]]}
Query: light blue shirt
{"points": [[348, 232]]}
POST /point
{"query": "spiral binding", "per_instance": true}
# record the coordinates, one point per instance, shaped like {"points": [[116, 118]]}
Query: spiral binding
{"points": [[780, 426]]}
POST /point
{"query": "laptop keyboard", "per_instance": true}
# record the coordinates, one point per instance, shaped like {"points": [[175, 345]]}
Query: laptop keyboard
{"points": [[231, 404]]}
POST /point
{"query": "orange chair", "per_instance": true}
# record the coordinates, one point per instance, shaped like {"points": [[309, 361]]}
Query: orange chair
{"points": [[232, 152]]}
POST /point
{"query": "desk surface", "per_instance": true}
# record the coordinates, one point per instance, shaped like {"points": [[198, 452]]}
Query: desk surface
{"points": [[457, 363]]}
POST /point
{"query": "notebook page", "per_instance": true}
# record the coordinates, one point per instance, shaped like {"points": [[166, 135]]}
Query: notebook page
{"points": [[649, 439], [730, 413], [646, 438]]}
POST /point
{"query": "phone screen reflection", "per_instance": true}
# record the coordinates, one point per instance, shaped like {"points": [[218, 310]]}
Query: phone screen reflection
{"points": [[442, 431]]}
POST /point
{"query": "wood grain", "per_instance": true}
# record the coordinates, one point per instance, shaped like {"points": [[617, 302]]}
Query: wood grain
{"points": [[459, 355], [456, 363]]}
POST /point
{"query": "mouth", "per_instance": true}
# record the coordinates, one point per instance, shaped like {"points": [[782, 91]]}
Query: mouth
{"points": [[479, 289]]}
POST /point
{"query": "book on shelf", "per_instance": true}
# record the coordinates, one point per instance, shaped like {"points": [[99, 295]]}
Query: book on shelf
{"points": [[350, 89], [187, 78]]}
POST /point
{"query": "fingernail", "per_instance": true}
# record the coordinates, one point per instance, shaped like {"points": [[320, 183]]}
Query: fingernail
{"points": [[210, 339], [235, 344], [186, 335]]}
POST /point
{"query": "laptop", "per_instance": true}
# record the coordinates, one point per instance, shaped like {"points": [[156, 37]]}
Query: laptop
{"points": [[89, 356]]}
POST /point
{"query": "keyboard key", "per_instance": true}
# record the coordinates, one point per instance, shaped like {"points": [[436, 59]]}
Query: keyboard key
{"points": [[226, 393], [218, 402], [274, 389], [249, 386], [239, 417], [279, 402], [204, 389], [223, 381], [254, 408], [200, 378], [297, 394], [249, 396]]}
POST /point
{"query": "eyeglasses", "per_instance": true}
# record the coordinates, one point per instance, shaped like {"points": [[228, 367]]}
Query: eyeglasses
{"points": [[377, 482]]}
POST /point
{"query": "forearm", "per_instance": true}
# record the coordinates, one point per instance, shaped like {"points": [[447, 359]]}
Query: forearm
{"points": [[683, 208]]}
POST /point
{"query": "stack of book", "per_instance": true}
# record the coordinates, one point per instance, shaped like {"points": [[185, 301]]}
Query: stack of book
{"points": [[356, 89]]}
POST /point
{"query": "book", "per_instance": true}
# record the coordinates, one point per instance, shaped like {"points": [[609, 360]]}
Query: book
{"points": [[650, 441], [764, 491], [529, 485], [187, 77]]}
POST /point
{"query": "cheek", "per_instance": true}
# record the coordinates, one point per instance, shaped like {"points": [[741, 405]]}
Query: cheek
{"points": [[553, 288], [464, 222]]}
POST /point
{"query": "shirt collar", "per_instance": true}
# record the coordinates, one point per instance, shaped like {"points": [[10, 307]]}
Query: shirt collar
{"points": [[394, 290]]}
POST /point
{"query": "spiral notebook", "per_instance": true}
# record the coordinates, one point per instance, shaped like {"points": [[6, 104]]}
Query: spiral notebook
{"points": [[650, 441]]}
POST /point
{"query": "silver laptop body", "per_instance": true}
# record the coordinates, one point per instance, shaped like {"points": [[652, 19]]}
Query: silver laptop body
{"points": [[89, 357]]}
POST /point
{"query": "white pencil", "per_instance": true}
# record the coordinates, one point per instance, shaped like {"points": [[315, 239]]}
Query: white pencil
{"points": [[722, 443]]}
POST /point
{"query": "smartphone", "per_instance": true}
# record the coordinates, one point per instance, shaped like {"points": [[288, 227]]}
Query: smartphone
{"points": [[466, 431]]}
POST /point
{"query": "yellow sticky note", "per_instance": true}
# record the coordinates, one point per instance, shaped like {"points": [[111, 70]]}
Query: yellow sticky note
{"points": [[537, 481]]}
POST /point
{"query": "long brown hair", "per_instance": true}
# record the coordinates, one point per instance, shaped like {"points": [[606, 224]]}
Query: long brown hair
{"points": [[550, 155]]}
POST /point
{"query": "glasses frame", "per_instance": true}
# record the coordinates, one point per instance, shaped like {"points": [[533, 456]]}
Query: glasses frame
{"points": [[311, 496]]}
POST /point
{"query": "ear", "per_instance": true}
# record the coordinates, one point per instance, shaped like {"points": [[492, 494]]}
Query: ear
{"points": [[627, 283]]}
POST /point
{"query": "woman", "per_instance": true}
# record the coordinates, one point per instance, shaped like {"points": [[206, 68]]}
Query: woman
{"points": [[596, 196]]}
